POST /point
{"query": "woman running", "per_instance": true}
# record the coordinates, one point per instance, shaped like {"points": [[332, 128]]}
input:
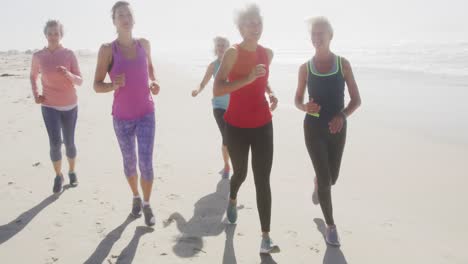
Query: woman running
{"points": [[325, 77], [244, 74], [128, 62], [220, 103], [60, 74]]}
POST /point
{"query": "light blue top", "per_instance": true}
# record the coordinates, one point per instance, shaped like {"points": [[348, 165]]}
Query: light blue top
{"points": [[219, 102]]}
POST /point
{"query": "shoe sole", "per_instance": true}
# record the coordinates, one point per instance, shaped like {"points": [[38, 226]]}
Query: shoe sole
{"points": [[151, 224], [229, 220], [333, 244], [275, 249], [58, 191], [135, 215]]}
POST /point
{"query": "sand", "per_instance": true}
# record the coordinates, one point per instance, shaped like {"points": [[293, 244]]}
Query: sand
{"points": [[401, 196]]}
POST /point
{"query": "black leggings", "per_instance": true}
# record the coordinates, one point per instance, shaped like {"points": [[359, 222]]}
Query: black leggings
{"points": [[325, 150], [260, 140], [218, 114]]}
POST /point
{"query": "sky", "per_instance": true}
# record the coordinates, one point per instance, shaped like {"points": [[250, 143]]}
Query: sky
{"points": [[191, 25]]}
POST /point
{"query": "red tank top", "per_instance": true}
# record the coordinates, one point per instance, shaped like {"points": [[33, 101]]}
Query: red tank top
{"points": [[248, 107]]}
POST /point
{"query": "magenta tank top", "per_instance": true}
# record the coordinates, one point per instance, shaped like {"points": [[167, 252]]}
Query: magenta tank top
{"points": [[134, 100]]}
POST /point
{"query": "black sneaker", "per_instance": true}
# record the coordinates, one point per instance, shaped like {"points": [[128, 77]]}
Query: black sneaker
{"points": [[58, 181], [150, 220], [73, 179], [136, 207]]}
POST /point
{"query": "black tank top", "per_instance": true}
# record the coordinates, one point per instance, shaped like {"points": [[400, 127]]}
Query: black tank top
{"points": [[327, 90]]}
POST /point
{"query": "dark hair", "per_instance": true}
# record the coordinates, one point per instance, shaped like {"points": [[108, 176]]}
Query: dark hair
{"points": [[53, 23], [117, 5]]}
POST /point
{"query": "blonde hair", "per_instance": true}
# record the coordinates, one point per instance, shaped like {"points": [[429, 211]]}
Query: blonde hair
{"points": [[249, 11], [53, 23], [320, 20]]}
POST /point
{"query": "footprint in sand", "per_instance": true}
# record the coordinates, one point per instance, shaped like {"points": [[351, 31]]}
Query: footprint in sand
{"points": [[172, 196], [387, 224], [8, 75], [52, 260], [99, 228], [315, 250], [292, 233]]}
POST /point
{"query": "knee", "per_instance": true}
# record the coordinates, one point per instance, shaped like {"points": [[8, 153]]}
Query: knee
{"points": [[129, 168], [55, 151], [239, 175], [146, 169], [71, 150], [147, 175], [324, 188]]}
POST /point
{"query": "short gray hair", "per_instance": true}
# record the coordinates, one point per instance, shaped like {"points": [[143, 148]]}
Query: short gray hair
{"points": [[219, 39], [320, 20], [249, 11], [53, 23]]}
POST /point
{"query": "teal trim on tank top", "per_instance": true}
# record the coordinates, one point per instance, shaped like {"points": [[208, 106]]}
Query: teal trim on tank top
{"points": [[219, 102], [217, 63]]}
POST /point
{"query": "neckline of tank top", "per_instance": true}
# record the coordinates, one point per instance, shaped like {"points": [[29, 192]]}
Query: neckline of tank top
{"points": [[58, 49], [334, 70], [246, 50], [118, 49]]}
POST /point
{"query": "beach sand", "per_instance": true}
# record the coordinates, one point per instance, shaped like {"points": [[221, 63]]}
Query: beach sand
{"points": [[401, 196]]}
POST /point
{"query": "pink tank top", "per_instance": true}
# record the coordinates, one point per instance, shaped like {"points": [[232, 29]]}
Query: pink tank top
{"points": [[134, 100]]}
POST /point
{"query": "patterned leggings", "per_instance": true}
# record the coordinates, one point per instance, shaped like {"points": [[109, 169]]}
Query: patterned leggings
{"points": [[143, 129]]}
